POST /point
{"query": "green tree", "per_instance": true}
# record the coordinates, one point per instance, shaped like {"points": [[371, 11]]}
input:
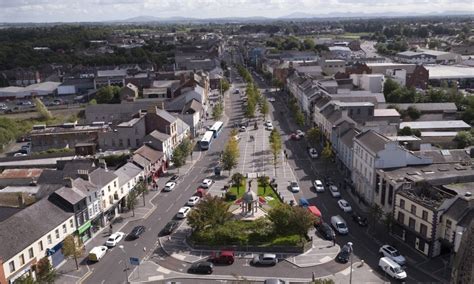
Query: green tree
{"points": [[93, 102], [389, 86], [308, 44], [280, 216], [230, 155], [301, 221], [108, 94], [186, 146], [141, 188], [72, 248], [327, 154], [45, 273], [224, 85], [264, 182], [264, 108], [26, 279], [237, 179], [217, 111], [376, 212], [275, 145], [42, 110], [313, 136], [212, 211], [178, 158], [388, 221], [132, 201], [250, 108], [464, 139], [413, 113], [299, 118]]}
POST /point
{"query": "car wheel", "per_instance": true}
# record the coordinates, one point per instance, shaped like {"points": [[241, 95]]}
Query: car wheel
{"points": [[209, 271]]}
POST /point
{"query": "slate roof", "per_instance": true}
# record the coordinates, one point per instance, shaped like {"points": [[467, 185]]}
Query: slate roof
{"points": [[101, 177], [31, 223], [70, 194], [165, 115], [347, 138], [149, 153], [127, 172], [373, 140], [460, 208], [192, 106], [160, 136]]}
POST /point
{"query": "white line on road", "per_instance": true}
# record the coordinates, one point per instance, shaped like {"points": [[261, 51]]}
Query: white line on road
{"points": [[120, 261], [179, 196], [169, 208], [135, 244]]}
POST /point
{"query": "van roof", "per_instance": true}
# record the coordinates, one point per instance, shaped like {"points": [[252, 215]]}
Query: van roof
{"points": [[389, 261]]}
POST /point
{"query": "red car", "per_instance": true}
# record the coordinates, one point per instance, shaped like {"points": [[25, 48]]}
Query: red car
{"points": [[294, 136], [224, 257]]}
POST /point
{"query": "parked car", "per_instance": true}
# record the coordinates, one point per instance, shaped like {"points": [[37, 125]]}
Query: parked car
{"points": [[339, 225], [201, 267], [326, 231], [344, 205], [300, 133], [174, 179], [269, 126], [136, 232], [169, 227], [318, 186], [114, 239], [313, 153], [3, 107], [223, 257], [242, 128], [206, 183], [334, 192], [169, 186], [392, 268], [294, 187], [294, 136], [183, 212], [362, 221], [344, 255], [19, 155], [271, 99], [393, 254], [192, 201], [265, 259], [96, 253], [274, 281]]}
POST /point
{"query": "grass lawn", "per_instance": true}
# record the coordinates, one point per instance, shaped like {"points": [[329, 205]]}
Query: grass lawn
{"points": [[269, 192], [241, 192]]}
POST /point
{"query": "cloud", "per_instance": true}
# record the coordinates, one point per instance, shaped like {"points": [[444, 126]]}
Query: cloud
{"points": [[99, 10]]}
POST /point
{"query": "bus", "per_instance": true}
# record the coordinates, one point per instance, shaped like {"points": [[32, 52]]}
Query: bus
{"points": [[206, 140], [216, 128]]}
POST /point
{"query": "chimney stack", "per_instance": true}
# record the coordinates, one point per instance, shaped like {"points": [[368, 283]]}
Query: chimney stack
{"points": [[68, 182]]}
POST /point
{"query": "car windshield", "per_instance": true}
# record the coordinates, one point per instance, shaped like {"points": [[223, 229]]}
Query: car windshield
{"points": [[341, 225], [398, 270], [395, 253], [294, 184]]}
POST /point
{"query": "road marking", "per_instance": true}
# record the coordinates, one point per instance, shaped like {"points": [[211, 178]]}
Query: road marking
{"points": [[169, 208], [149, 229], [189, 185], [120, 262], [135, 244]]}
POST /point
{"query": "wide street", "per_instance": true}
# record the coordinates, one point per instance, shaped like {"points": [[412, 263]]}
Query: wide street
{"points": [[255, 158]]}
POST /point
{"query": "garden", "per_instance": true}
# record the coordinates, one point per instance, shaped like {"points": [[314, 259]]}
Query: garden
{"points": [[266, 194]]}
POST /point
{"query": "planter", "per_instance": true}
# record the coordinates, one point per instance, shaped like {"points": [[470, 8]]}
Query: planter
{"points": [[253, 248]]}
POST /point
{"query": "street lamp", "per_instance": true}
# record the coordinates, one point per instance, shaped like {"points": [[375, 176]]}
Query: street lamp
{"points": [[350, 277], [125, 263]]}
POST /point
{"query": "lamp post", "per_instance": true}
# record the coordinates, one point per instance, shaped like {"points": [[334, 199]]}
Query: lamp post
{"points": [[125, 263], [350, 275]]}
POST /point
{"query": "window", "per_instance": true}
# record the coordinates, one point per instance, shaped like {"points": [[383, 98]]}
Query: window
{"points": [[40, 245], [108, 188], [424, 215], [90, 199], [401, 217], [137, 142], [12, 266], [50, 241], [103, 194], [115, 183], [411, 223], [120, 142], [64, 229], [402, 203], [382, 198], [22, 259], [57, 233], [121, 190], [71, 223], [128, 142], [390, 194], [423, 230], [358, 111], [413, 209], [31, 254], [95, 194]]}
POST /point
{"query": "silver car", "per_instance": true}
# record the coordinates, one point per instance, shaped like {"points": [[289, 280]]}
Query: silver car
{"points": [[265, 259]]}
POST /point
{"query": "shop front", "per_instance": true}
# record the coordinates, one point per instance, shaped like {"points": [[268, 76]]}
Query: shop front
{"points": [[84, 231], [24, 271], [56, 254]]}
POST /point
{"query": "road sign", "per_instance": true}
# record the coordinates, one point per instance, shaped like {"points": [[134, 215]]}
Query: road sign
{"points": [[134, 261]]}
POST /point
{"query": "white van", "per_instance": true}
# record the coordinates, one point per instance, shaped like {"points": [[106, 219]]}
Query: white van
{"points": [[392, 268], [97, 253], [339, 225]]}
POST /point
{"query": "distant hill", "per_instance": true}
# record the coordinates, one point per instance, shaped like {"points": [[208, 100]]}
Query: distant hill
{"points": [[303, 15]]}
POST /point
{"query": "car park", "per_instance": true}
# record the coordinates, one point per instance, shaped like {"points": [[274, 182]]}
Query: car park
{"points": [[223, 257], [114, 239], [393, 254], [326, 231], [183, 212], [96, 253], [169, 227], [313, 153], [294, 187], [318, 186], [344, 205], [206, 183], [169, 186], [201, 267], [339, 225], [392, 268], [334, 192], [136, 232], [265, 259], [360, 220], [344, 255], [193, 200]]}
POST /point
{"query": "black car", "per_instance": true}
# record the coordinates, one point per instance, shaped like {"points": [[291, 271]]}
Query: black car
{"points": [[362, 221], [326, 231], [136, 232], [174, 179], [344, 254], [201, 267], [169, 227]]}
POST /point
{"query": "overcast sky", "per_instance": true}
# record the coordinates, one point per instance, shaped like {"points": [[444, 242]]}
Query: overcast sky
{"points": [[104, 10]]}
